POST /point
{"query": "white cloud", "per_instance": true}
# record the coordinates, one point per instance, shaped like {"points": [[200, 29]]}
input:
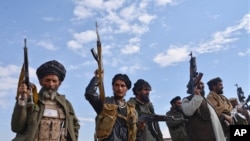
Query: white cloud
{"points": [[146, 18], [47, 45], [132, 68], [164, 2], [171, 56], [130, 49]]}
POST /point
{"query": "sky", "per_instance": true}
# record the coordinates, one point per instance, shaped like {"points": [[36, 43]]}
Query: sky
{"points": [[145, 39]]}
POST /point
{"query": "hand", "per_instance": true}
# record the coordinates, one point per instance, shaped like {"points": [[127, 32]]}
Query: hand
{"points": [[141, 125], [196, 91], [229, 119], [23, 91], [97, 73]]}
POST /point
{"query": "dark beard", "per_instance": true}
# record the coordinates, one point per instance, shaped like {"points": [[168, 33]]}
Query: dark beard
{"points": [[178, 109], [48, 93], [145, 98]]}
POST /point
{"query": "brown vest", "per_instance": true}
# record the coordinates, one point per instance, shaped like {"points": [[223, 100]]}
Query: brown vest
{"points": [[199, 125]]}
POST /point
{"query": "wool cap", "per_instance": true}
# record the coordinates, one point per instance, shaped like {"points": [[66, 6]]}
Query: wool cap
{"points": [[51, 67]]}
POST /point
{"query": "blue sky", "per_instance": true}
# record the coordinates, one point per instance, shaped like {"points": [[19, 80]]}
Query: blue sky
{"points": [[148, 39]]}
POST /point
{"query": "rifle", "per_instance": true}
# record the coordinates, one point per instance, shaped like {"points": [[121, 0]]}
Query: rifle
{"points": [[24, 77], [98, 58], [195, 77], [241, 97], [156, 118]]}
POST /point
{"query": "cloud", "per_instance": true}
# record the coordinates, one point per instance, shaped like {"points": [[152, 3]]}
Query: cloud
{"points": [[47, 45], [171, 56], [130, 49], [219, 42], [165, 2], [132, 68], [242, 54], [50, 19]]}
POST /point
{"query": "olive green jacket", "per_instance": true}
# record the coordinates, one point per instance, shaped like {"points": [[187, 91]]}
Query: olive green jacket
{"points": [[25, 121]]}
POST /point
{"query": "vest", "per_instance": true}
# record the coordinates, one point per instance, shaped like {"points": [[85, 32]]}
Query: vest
{"points": [[108, 116], [52, 125], [200, 124]]}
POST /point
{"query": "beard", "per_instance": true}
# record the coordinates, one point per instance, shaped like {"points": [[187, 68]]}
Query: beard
{"points": [[145, 98], [178, 108], [48, 93]]}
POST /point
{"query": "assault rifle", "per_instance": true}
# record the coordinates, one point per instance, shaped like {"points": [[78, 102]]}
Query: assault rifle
{"points": [[24, 76], [156, 118], [241, 97], [195, 77], [98, 58]]}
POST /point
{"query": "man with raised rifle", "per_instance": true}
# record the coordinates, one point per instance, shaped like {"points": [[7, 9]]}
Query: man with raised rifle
{"points": [[203, 123], [51, 117]]}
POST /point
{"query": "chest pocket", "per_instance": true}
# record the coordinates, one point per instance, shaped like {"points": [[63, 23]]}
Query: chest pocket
{"points": [[106, 120]]}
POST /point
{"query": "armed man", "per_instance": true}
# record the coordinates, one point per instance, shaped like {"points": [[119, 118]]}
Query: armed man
{"points": [[147, 131], [51, 117], [203, 123]]}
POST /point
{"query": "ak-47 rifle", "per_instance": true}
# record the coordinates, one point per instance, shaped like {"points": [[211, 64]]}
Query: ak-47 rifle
{"points": [[241, 97], [26, 73], [156, 118], [195, 77], [98, 58], [24, 77]]}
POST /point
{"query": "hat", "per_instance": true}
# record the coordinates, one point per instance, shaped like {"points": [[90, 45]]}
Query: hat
{"points": [[175, 99], [139, 84], [51, 67]]}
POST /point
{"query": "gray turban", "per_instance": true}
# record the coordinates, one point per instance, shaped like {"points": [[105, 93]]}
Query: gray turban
{"points": [[51, 67]]}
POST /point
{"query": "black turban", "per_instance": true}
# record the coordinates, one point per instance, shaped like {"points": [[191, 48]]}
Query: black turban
{"points": [[51, 67], [175, 99], [124, 78], [139, 85]]}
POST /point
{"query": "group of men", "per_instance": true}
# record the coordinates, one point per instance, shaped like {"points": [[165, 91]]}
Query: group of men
{"points": [[208, 118], [52, 117]]}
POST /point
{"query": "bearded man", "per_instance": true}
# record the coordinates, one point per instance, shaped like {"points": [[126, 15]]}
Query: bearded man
{"points": [[177, 128], [52, 117], [147, 131]]}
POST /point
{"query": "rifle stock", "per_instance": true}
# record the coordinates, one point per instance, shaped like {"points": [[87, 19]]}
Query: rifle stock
{"points": [[195, 77], [98, 57]]}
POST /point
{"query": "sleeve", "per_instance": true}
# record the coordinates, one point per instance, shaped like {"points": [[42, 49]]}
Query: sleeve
{"points": [[189, 107], [92, 96], [173, 123], [75, 121], [18, 119]]}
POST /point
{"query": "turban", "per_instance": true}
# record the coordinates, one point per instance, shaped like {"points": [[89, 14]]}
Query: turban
{"points": [[175, 99], [124, 78], [51, 67], [139, 85]]}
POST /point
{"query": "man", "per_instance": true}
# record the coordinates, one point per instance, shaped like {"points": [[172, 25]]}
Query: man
{"points": [[203, 123], [148, 131], [241, 115], [177, 128], [116, 119], [52, 117], [222, 105]]}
